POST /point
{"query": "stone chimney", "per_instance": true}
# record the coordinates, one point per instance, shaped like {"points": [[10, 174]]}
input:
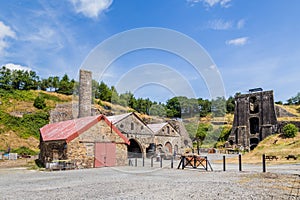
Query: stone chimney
{"points": [[85, 93]]}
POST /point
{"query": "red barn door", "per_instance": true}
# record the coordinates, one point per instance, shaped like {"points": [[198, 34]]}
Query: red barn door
{"points": [[105, 154]]}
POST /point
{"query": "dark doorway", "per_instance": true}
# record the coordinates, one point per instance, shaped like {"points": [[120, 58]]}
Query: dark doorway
{"points": [[253, 143], [134, 149], [254, 125], [150, 150]]}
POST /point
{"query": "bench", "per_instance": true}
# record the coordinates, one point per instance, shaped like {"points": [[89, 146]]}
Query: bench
{"points": [[271, 157], [291, 156]]}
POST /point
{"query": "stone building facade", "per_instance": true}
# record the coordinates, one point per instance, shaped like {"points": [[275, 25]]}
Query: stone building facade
{"points": [[89, 142], [140, 135], [254, 119], [166, 138]]}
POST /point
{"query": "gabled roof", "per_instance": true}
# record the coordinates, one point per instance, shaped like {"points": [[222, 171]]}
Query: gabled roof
{"points": [[70, 129], [116, 118], [156, 127]]}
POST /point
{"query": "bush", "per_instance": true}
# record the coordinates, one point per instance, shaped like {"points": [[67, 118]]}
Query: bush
{"points": [[290, 130], [39, 102]]}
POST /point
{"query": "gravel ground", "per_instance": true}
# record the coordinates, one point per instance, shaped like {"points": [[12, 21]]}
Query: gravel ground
{"points": [[147, 183]]}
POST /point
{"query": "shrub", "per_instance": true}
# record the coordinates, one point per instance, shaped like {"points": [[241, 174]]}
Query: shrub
{"points": [[290, 130], [39, 102]]}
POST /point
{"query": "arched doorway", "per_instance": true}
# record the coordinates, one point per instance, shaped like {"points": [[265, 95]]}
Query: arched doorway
{"points": [[253, 143], [134, 149], [168, 148]]}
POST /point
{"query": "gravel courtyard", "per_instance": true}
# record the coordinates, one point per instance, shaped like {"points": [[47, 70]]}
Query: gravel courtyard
{"points": [[146, 183]]}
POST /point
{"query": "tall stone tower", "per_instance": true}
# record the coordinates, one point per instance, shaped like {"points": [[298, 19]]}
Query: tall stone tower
{"points": [[85, 93], [254, 118]]}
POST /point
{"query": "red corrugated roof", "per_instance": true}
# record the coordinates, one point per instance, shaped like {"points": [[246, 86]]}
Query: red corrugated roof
{"points": [[69, 130]]}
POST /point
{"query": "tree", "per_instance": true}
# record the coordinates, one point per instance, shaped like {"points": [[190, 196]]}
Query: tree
{"points": [[219, 107], [65, 85], [5, 78], [204, 106], [290, 130], [294, 100], [230, 104], [104, 92], [173, 107]]}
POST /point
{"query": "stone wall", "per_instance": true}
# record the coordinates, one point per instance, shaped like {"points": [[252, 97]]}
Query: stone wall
{"points": [[81, 150], [281, 124], [281, 112], [133, 128], [53, 150], [186, 141], [64, 112], [254, 119], [168, 135]]}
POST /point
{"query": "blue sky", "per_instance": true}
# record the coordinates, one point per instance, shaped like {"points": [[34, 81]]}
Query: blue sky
{"points": [[253, 43]]}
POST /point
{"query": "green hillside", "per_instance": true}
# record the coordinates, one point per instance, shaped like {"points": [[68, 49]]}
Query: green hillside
{"points": [[20, 120]]}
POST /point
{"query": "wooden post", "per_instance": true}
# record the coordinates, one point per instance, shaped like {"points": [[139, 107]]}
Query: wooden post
{"points": [[182, 161], [161, 162], [136, 162], [224, 163], [172, 163], [206, 164], [264, 162]]}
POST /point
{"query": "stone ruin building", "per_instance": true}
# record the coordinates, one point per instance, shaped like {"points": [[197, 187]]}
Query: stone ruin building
{"points": [[74, 134], [254, 119]]}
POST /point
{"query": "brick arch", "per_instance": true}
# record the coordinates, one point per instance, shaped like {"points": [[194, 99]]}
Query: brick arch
{"points": [[168, 147], [135, 149]]}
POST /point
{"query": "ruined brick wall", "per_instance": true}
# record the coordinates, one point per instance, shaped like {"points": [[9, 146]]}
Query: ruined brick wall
{"points": [[64, 112], [52, 150], [281, 124], [281, 112], [254, 119], [85, 93]]}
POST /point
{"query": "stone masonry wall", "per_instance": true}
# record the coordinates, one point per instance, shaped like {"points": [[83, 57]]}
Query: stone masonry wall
{"points": [[139, 131], [162, 137], [82, 148]]}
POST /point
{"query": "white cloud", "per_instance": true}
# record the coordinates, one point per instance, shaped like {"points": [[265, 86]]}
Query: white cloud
{"points": [[12, 66], [238, 41], [240, 24], [5, 31], [211, 3], [91, 8], [220, 24]]}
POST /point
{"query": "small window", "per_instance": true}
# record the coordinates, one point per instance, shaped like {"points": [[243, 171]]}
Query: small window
{"points": [[121, 126], [168, 129], [132, 126], [142, 127]]}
